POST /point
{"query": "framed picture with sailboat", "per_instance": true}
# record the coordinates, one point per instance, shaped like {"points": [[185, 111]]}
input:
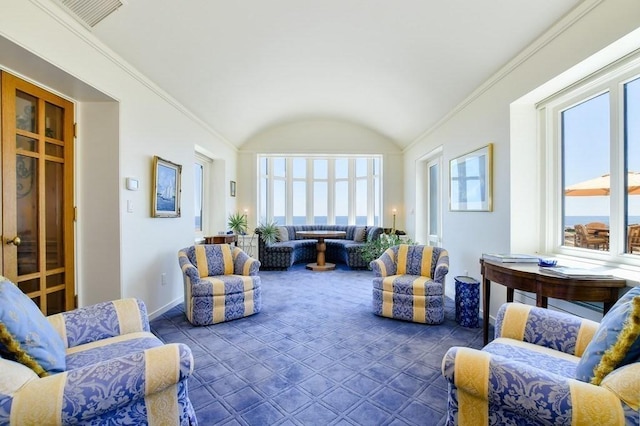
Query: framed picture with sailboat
{"points": [[166, 188]]}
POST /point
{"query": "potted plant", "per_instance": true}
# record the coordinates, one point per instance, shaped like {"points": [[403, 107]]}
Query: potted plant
{"points": [[268, 232], [237, 222], [373, 249]]}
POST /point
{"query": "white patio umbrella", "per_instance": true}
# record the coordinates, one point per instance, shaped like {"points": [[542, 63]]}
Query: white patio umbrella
{"points": [[601, 185]]}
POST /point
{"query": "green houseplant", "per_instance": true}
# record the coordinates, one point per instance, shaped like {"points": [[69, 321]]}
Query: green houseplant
{"points": [[372, 249], [237, 222], [268, 232]]}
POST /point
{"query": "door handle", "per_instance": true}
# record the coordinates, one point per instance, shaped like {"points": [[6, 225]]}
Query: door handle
{"points": [[15, 241]]}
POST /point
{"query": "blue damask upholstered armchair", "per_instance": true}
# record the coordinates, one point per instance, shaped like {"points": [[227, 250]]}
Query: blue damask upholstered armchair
{"points": [[95, 365], [409, 283], [550, 368], [221, 283]]}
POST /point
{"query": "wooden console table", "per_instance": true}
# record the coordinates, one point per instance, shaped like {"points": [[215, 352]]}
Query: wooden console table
{"points": [[527, 277]]}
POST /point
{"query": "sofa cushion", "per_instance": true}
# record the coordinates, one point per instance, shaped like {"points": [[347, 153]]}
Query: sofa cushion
{"points": [[360, 234], [25, 334], [616, 342], [14, 376], [283, 234]]}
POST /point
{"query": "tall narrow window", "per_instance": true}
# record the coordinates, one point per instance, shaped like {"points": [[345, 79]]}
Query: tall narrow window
{"points": [[201, 176], [587, 170], [632, 146]]}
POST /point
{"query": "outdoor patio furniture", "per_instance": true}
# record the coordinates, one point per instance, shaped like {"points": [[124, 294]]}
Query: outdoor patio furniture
{"points": [[586, 240]]}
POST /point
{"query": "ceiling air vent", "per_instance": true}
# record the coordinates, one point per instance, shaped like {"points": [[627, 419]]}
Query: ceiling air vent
{"points": [[90, 12]]}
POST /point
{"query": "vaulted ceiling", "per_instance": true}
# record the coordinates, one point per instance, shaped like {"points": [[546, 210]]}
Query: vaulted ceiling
{"points": [[396, 67]]}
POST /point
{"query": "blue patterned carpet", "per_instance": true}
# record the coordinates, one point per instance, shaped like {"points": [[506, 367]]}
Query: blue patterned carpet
{"points": [[316, 355]]}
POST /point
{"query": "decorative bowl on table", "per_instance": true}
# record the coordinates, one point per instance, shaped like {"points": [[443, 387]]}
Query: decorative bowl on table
{"points": [[548, 263]]}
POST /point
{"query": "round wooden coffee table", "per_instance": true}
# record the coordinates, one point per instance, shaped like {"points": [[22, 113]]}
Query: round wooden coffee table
{"points": [[321, 247]]}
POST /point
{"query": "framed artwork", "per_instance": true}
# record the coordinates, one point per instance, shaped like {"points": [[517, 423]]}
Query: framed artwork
{"points": [[166, 188], [471, 181], [232, 188]]}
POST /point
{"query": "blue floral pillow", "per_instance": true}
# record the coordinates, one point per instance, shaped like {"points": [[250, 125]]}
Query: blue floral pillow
{"points": [[26, 335], [616, 342]]}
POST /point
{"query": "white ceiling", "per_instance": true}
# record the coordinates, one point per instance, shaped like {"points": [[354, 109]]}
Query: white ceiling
{"points": [[396, 67]]}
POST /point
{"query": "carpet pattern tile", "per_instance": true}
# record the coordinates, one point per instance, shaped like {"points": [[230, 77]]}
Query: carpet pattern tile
{"points": [[317, 355]]}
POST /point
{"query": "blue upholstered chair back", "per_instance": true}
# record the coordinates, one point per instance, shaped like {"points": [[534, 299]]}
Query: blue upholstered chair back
{"points": [[405, 259]]}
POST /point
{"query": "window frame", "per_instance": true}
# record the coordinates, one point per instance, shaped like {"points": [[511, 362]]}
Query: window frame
{"points": [[206, 164], [612, 80], [373, 199]]}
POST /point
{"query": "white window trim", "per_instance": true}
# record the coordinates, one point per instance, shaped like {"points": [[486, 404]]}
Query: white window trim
{"points": [[610, 79], [206, 164], [330, 180]]}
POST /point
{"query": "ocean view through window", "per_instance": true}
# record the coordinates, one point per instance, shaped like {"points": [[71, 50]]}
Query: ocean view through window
{"points": [[595, 130], [340, 190]]}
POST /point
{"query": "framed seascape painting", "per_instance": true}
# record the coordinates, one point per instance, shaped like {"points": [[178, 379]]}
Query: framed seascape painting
{"points": [[471, 181], [166, 188]]}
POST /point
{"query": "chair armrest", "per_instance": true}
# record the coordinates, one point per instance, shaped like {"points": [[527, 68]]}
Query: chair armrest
{"points": [[100, 321], [243, 264], [525, 390], [80, 395], [545, 327], [188, 269], [385, 265], [442, 267]]}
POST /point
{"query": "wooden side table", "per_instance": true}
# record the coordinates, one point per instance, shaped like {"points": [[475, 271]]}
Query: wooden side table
{"points": [[321, 247], [221, 239]]}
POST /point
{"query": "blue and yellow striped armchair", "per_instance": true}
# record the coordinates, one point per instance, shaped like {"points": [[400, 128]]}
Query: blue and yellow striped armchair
{"points": [[409, 283], [112, 370], [221, 283], [530, 374]]}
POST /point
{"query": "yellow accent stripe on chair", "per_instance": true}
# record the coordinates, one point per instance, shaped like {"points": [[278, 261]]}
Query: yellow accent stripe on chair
{"points": [[403, 250], [586, 332], [472, 373], [48, 392], [419, 303], [247, 266], [161, 406], [201, 261], [594, 405], [387, 283], [383, 268], [128, 315], [427, 255], [109, 341], [187, 298], [227, 259], [57, 321], [248, 302], [217, 286], [387, 304], [515, 320]]}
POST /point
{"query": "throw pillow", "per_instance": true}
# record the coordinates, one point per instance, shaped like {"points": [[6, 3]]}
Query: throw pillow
{"points": [[26, 335], [624, 383], [283, 234], [359, 234], [616, 342], [14, 376]]}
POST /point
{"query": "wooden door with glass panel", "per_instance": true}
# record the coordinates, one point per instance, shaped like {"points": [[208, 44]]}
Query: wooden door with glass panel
{"points": [[37, 194]]}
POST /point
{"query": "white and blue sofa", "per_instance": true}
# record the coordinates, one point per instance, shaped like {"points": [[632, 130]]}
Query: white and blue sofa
{"points": [[96, 365], [550, 368]]}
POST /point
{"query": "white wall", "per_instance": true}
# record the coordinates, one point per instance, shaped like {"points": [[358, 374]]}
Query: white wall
{"points": [[485, 117], [120, 254], [323, 137]]}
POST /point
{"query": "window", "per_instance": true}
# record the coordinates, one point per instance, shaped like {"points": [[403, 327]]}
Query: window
{"points": [[202, 166], [320, 190], [594, 138]]}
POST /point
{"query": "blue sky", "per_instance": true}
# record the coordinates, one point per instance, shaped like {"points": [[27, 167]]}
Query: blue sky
{"points": [[587, 156]]}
